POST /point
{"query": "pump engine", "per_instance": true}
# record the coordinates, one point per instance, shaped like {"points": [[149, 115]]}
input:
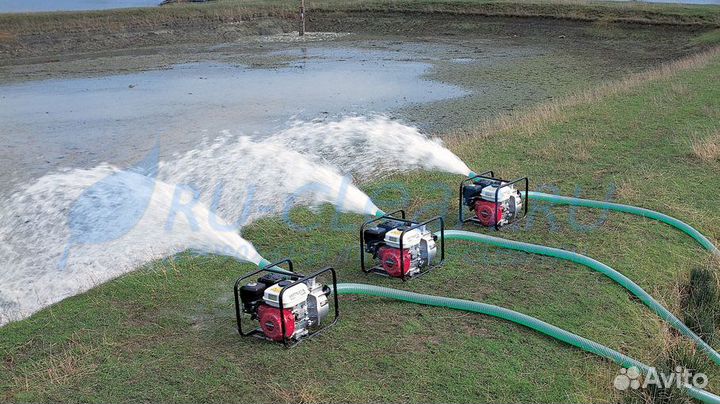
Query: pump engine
{"points": [[401, 248], [286, 306], [494, 202]]}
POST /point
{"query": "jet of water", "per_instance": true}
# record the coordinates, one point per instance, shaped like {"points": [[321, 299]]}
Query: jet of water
{"points": [[124, 198], [75, 229], [370, 147], [35, 234], [244, 179]]}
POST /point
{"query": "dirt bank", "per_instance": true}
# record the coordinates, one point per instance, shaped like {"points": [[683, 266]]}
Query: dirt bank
{"points": [[45, 36]]}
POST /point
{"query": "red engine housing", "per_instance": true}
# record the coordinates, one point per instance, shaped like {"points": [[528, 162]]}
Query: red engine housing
{"points": [[390, 259], [488, 213], [270, 318]]}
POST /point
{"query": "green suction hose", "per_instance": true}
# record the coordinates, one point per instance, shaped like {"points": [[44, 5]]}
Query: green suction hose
{"points": [[616, 276], [634, 210], [518, 318]]}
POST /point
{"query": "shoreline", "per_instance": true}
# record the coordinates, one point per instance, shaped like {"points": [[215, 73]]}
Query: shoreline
{"points": [[46, 35]]}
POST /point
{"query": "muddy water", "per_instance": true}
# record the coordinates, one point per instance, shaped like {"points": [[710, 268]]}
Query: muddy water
{"points": [[84, 121]]}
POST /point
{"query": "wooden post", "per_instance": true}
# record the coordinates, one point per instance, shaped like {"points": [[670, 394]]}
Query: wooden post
{"points": [[302, 17]]}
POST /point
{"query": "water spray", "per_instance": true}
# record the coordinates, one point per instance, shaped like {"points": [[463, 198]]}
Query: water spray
{"points": [[49, 256], [405, 249], [366, 147], [121, 219], [270, 178]]}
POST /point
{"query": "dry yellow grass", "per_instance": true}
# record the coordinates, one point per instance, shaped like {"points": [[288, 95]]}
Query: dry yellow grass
{"points": [[7, 36], [629, 188], [707, 148], [679, 89], [626, 191], [298, 395], [539, 116], [65, 362], [534, 119]]}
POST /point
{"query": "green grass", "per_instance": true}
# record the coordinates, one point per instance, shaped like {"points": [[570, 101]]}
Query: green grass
{"points": [[708, 38], [166, 332], [701, 302]]}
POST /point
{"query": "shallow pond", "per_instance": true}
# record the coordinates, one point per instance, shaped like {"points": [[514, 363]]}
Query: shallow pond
{"points": [[82, 122]]}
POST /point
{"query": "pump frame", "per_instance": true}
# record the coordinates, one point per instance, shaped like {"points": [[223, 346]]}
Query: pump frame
{"points": [[377, 269], [296, 278], [490, 175]]}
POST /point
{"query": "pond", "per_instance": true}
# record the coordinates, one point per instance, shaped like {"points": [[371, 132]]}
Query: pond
{"points": [[80, 122]]}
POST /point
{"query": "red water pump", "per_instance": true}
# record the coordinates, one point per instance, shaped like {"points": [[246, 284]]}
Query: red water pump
{"points": [[287, 307], [401, 248], [493, 201]]}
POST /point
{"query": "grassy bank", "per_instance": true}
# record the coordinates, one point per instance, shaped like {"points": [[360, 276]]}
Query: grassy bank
{"points": [[166, 332]]}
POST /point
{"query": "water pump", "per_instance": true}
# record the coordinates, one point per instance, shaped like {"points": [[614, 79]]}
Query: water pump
{"points": [[286, 307], [401, 248], [494, 202]]}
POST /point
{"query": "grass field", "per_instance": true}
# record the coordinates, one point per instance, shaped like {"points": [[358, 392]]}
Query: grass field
{"points": [[166, 332]]}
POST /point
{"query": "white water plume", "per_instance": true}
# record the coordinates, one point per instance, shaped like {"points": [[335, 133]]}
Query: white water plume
{"points": [[245, 180], [72, 230], [370, 147], [108, 222]]}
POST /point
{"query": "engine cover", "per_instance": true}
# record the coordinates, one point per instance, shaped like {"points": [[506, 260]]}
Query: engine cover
{"points": [[488, 213], [390, 260], [270, 318], [293, 295]]}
